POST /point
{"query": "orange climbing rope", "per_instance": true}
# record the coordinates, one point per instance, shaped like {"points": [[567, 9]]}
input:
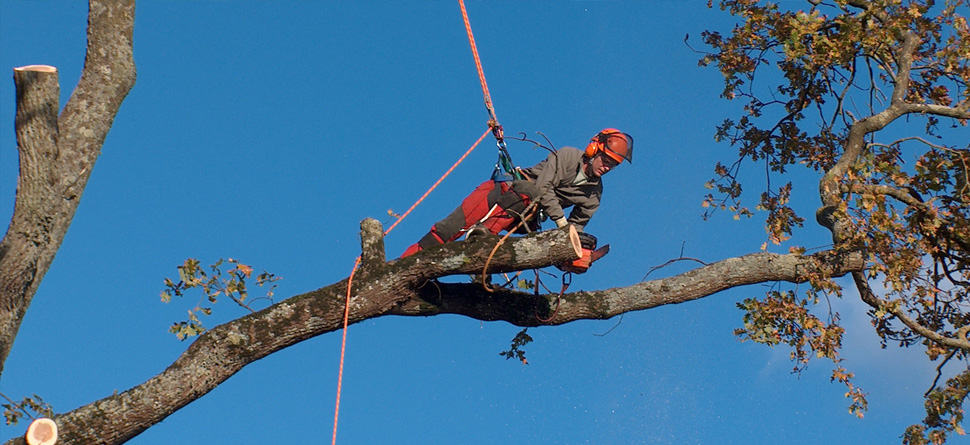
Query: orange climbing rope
{"points": [[495, 129], [442, 178], [350, 281], [478, 64], [343, 349]]}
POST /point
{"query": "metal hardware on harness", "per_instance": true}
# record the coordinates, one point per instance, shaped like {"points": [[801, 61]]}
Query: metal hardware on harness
{"points": [[504, 168], [567, 279]]}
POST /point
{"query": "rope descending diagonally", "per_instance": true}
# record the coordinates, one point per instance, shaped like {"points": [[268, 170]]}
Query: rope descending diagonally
{"points": [[442, 178], [350, 280], [495, 129]]}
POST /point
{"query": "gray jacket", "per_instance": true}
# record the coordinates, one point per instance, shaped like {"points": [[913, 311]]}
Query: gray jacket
{"points": [[561, 185]]}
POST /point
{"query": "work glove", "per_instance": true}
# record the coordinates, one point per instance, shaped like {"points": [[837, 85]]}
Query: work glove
{"points": [[561, 222]]}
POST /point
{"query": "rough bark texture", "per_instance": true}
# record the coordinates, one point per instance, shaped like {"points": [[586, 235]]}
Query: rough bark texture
{"points": [[57, 155], [523, 309]]}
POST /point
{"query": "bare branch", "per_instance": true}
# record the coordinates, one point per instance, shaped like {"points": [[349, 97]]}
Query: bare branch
{"points": [[960, 112], [222, 351], [372, 256], [904, 62], [704, 281], [899, 312]]}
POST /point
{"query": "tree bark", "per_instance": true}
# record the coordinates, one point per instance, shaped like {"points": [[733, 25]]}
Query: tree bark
{"points": [[28, 242], [57, 154], [524, 309], [406, 287]]}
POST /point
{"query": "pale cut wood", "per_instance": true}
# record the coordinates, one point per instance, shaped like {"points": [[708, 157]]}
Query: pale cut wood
{"points": [[42, 431], [574, 238], [39, 68]]}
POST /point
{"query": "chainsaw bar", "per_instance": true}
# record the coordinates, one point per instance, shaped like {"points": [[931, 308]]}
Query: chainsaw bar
{"points": [[599, 253]]}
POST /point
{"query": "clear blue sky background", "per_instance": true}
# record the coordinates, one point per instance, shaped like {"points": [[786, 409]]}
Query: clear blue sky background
{"points": [[265, 131]]}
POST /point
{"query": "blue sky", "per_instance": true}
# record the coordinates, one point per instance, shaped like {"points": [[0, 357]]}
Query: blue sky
{"points": [[265, 131]]}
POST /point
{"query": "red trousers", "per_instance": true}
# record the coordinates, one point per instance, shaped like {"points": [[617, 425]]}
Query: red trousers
{"points": [[496, 205]]}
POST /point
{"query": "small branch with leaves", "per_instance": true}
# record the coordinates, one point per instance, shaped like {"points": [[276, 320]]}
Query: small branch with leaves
{"points": [[213, 285], [14, 411]]}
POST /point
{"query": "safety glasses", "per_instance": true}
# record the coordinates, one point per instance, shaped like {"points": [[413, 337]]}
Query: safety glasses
{"points": [[608, 161]]}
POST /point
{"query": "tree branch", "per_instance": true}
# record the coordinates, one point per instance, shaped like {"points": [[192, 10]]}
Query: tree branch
{"points": [[372, 254], [904, 63], [399, 288], [222, 351], [519, 308], [958, 112], [830, 188], [899, 312], [26, 251], [882, 189], [58, 154]]}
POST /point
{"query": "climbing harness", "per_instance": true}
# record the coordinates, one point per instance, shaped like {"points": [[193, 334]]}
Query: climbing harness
{"points": [[567, 279]]}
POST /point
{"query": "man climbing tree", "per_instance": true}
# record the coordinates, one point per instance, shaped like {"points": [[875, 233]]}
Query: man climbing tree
{"points": [[567, 178]]}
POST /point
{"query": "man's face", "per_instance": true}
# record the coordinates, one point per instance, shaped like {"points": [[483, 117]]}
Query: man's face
{"points": [[601, 164]]}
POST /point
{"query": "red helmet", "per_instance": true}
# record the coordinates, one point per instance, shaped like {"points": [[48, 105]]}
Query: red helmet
{"points": [[615, 143]]}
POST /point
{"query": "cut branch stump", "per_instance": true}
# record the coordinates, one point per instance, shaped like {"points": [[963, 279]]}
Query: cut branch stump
{"points": [[42, 431]]}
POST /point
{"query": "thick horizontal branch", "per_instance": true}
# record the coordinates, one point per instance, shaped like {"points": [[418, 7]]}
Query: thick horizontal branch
{"points": [[523, 309], [407, 287], [959, 112], [882, 189]]}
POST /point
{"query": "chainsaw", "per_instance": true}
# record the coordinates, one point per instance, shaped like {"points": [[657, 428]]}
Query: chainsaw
{"points": [[590, 255]]}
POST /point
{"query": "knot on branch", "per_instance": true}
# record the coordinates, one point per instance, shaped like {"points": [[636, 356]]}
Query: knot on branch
{"points": [[836, 263], [825, 216]]}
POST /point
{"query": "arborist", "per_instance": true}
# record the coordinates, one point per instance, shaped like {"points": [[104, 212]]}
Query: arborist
{"points": [[568, 177]]}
